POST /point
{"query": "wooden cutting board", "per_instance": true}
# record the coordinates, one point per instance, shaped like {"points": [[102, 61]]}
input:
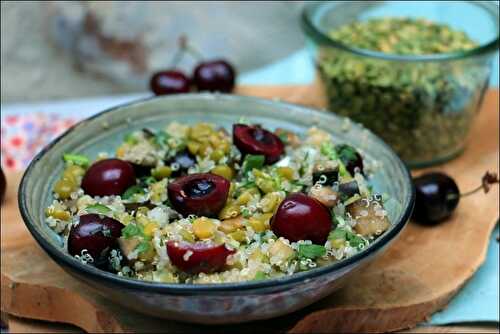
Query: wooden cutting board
{"points": [[417, 276]]}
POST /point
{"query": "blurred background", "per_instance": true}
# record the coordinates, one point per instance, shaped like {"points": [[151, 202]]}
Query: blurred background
{"points": [[61, 49]]}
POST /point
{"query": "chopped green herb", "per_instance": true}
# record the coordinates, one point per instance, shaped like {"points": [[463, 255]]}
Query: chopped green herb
{"points": [[328, 150], [338, 234], [260, 275], [98, 208], [131, 139], [143, 247], [245, 212], [147, 180], [131, 230], [346, 153], [311, 251], [253, 162], [355, 241], [132, 191], [77, 159]]}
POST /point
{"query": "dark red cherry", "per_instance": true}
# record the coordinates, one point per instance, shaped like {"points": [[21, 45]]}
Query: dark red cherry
{"points": [[437, 196], [300, 217], [3, 185], [199, 257], [96, 234], [252, 139], [108, 177], [214, 76], [350, 157], [201, 194], [169, 82]]}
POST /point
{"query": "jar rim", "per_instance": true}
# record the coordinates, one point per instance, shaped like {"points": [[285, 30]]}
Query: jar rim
{"points": [[318, 36]]}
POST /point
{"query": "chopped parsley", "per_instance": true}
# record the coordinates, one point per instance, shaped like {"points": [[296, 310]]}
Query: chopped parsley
{"points": [[132, 191], [143, 247], [131, 230], [98, 208], [260, 275], [311, 251], [354, 240], [253, 162], [77, 159]]}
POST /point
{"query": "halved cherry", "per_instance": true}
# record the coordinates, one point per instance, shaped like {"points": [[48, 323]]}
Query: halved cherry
{"points": [[252, 139], [199, 257], [108, 177], [300, 217], [95, 235], [200, 194]]}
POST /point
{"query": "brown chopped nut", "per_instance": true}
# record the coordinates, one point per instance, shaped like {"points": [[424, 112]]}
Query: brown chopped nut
{"points": [[325, 195], [370, 216]]}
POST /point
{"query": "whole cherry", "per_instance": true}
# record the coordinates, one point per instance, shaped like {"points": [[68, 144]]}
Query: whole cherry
{"points": [[3, 185], [169, 82], [108, 177], [437, 196], [300, 217], [215, 76]]}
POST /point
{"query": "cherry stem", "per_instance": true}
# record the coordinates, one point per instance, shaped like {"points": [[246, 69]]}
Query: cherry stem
{"points": [[185, 46], [487, 180]]}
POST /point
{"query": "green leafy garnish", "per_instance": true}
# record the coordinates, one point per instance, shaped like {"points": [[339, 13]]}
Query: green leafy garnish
{"points": [[328, 150], [311, 251], [259, 276], [161, 138], [131, 230], [98, 208], [77, 159], [355, 241], [132, 191], [245, 212], [343, 234], [131, 139], [253, 161], [147, 180], [338, 234], [143, 247], [346, 153]]}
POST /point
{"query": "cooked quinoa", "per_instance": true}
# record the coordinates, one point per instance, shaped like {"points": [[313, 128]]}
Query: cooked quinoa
{"points": [[331, 173]]}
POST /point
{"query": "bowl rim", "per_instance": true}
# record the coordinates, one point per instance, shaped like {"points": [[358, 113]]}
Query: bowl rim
{"points": [[108, 278], [312, 31]]}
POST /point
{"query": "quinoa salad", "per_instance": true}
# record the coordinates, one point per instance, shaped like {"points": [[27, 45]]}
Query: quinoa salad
{"points": [[197, 204]]}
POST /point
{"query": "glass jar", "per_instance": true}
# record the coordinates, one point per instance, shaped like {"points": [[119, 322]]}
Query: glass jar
{"points": [[422, 105]]}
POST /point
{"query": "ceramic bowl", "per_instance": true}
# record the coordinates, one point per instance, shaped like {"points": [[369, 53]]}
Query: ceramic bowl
{"points": [[211, 303]]}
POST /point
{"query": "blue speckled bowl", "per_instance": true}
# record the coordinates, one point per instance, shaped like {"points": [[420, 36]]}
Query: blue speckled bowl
{"points": [[211, 303]]}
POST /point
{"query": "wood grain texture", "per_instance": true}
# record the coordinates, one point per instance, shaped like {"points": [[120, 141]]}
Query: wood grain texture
{"points": [[416, 277]]}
